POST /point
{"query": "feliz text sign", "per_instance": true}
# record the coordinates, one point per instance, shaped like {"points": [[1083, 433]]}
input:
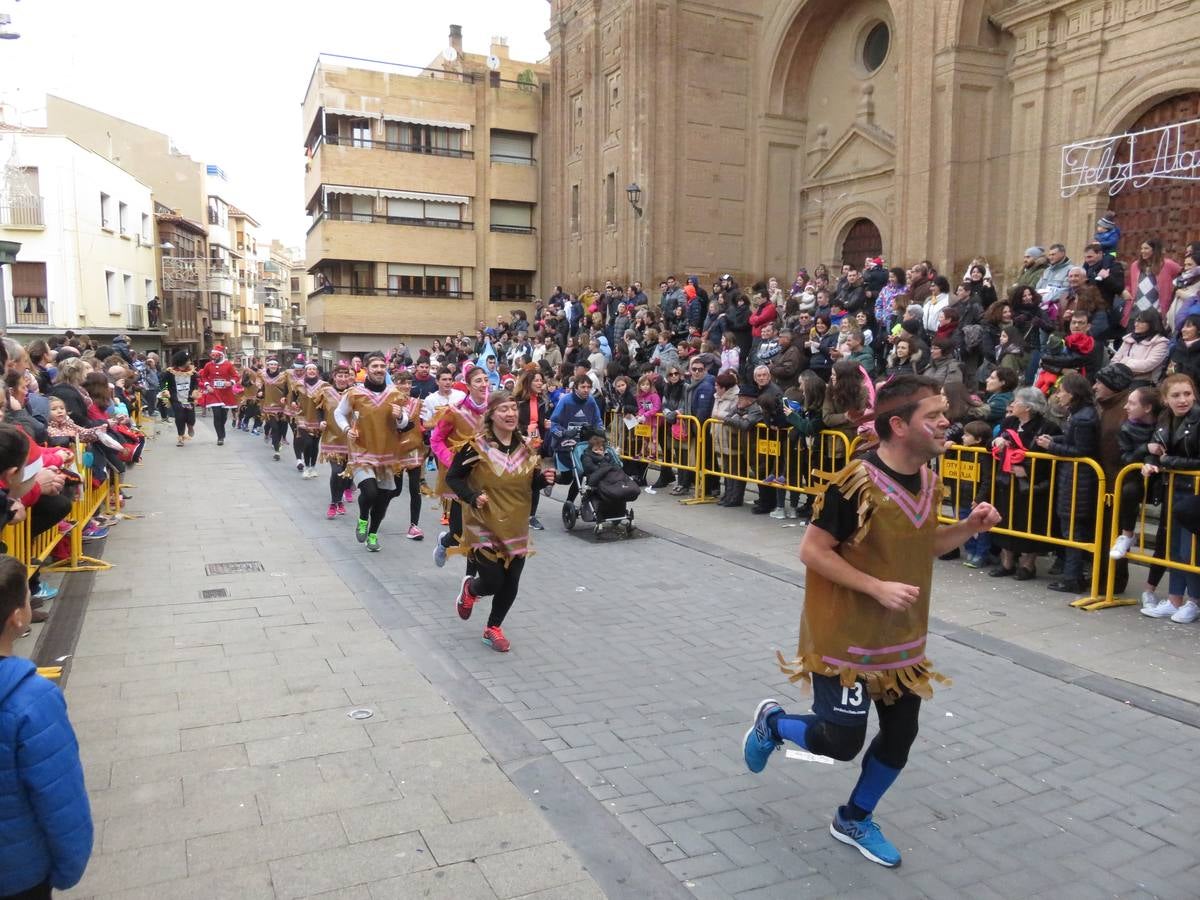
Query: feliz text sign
{"points": [[1171, 152]]}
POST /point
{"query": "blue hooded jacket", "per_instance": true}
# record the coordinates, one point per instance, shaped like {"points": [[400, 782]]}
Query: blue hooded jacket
{"points": [[45, 818]]}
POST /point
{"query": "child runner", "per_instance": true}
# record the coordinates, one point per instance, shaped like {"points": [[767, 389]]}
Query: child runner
{"points": [[869, 558], [373, 415], [493, 476], [334, 447], [250, 414], [182, 385]]}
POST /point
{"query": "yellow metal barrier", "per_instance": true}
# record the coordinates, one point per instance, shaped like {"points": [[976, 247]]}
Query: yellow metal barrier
{"points": [[1139, 552], [677, 445], [87, 502], [793, 463], [1030, 512]]}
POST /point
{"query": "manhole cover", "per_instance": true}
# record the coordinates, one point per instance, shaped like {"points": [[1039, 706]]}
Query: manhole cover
{"points": [[233, 568], [214, 593], [361, 713]]}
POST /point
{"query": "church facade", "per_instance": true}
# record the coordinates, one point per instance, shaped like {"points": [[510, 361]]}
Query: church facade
{"points": [[765, 135]]}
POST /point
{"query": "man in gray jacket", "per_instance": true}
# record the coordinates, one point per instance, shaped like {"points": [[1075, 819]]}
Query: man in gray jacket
{"points": [[1053, 283]]}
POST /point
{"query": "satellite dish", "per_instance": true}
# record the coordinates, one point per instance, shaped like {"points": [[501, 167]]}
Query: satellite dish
{"points": [[493, 63], [450, 54]]}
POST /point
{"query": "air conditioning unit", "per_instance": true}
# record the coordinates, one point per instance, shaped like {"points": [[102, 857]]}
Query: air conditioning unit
{"points": [[136, 316]]}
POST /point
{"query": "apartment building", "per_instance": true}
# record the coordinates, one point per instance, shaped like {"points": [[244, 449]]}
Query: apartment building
{"points": [[275, 300], [246, 269], [182, 274], [301, 286], [86, 230], [422, 185]]}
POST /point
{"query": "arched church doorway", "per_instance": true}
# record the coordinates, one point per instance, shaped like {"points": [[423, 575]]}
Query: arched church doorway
{"points": [[1165, 209], [862, 240]]}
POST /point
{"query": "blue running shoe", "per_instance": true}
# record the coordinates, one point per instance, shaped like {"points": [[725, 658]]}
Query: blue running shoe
{"points": [[758, 745], [45, 592], [866, 836], [439, 551]]}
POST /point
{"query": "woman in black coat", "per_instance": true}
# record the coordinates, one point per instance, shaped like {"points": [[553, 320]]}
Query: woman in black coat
{"points": [[1185, 352], [1022, 487], [1075, 485]]}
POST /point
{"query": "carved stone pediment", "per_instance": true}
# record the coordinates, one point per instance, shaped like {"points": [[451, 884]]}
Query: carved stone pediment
{"points": [[862, 150]]}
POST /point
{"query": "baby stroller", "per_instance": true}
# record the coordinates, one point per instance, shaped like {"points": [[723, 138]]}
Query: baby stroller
{"points": [[602, 496]]}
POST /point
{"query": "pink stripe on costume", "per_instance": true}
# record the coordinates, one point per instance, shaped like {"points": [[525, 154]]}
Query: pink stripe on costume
{"points": [[862, 651], [874, 667]]}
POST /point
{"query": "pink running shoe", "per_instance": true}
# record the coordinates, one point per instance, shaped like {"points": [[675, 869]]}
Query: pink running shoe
{"points": [[332, 512], [494, 638], [348, 495], [466, 600], [341, 509], [415, 533]]}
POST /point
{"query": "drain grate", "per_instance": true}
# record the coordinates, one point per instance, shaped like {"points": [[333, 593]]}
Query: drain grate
{"points": [[213, 593], [233, 568]]}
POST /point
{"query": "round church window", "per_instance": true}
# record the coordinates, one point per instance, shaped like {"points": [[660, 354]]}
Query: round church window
{"points": [[875, 47]]}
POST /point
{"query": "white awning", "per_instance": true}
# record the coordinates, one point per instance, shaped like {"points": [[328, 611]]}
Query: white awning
{"points": [[433, 123], [356, 113], [397, 195]]}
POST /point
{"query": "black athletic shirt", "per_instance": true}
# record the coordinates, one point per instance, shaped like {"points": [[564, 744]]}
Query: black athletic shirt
{"points": [[839, 516]]}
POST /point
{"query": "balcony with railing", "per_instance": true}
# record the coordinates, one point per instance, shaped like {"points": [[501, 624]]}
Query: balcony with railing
{"points": [[334, 215], [346, 235], [363, 161], [30, 311], [25, 212]]}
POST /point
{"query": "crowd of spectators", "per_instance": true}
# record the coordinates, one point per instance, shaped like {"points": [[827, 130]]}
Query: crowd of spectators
{"points": [[1047, 363]]}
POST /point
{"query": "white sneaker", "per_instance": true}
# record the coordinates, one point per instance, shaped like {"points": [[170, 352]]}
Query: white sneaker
{"points": [[777, 513], [1187, 614], [1120, 547], [1165, 609], [1149, 599], [649, 490], [299, 465], [790, 512]]}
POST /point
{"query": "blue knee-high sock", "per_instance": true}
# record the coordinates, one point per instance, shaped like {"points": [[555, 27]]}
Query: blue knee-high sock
{"points": [[875, 779], [791, 728]]}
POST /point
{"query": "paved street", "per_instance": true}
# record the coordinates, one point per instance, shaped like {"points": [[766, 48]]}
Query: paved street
{"points": [[600, 756]]}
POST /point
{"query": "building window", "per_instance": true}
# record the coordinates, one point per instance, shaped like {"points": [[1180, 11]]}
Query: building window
{"points": [[577, 129], [360, 133], [612, 112], [128, 285], [106, 212], [295, 285], [574, 209], [513, 147], [145, 229], [352, 207], [400, 210], [29, 293], [875, 46], [404, 279], [113, 292], [513, 217], [23, 205], [217, 211], [610, 199], [123, 218], [423, 138], [508, 284], [218, 306]]}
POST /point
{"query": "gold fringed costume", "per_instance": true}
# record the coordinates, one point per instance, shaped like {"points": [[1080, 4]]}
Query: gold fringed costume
{"points": [[500, 530], [378, 444], [455, 426], [310, 401], [849, 634], [335, 446], [275, 390]]}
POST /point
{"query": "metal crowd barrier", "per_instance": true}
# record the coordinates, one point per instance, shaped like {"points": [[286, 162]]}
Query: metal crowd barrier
{"points": [[1173, 482], [970, 474], [676, 445], [791, 462]]}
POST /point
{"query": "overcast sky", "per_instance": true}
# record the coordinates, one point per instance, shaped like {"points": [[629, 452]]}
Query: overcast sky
{"points": [[225, 78]]}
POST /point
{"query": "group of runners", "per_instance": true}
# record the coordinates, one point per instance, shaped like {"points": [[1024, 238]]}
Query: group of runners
{"points": [[377, 431], [868, 552]]}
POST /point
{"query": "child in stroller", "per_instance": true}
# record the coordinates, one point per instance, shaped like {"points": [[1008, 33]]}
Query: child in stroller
{"points": [[605, 490]]}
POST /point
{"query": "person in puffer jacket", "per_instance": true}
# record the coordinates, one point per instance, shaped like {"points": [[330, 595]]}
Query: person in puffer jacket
{"points": [[45, 818]]}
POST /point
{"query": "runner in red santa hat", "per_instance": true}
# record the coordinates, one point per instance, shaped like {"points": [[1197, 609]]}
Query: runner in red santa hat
{"points": [[219, 388]]}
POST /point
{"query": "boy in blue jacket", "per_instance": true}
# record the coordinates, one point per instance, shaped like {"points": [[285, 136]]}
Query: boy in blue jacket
{"points": [[45, 819]]}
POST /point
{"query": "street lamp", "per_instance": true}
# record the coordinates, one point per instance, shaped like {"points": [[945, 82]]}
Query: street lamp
{"points": [[635, 197]]}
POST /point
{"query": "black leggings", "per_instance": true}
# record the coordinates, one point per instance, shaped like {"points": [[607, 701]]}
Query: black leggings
{"points": [[415, 480], [373, 502], [538, 484], [276, 429], [500, 582], [185, 417], [307, 447], [220, 417], [338, 484], [250, 412], [897, 732]]}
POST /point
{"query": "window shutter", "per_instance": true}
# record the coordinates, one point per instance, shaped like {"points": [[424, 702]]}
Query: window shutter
{"points": [[29, 279]]}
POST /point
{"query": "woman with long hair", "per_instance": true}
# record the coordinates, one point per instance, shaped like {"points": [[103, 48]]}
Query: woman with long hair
{"points": [[1149, 281], [533, 421], [456, 424], [1145, 348], [494, 476]]}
